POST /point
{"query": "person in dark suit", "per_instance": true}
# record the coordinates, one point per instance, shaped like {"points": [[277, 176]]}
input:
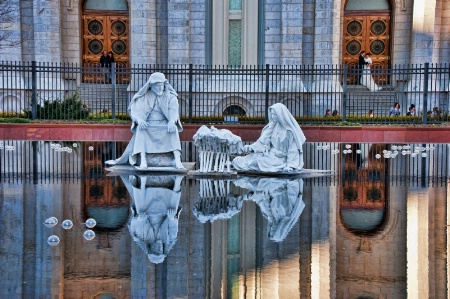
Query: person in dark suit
{"points": [[104, 64], [361, 63]]}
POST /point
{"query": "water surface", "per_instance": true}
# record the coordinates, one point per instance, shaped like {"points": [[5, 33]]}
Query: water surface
{"points": [[376, 228]]}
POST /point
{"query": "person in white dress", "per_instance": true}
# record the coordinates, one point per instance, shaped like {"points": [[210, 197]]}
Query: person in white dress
{"points": [[366, 78]]}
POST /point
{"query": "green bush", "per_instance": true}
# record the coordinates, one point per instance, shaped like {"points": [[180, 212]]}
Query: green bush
{"points": [[70, 108], [14, 120]]}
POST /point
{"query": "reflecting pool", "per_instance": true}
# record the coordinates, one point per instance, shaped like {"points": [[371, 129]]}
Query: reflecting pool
{"points": [[375, 228]]}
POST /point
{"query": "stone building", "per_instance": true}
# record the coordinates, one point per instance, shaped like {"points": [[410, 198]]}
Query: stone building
{"points": [[236, 32], [232, 32]]}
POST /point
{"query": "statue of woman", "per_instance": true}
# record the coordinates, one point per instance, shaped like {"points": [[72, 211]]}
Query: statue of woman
{"points": [[278, 149]]}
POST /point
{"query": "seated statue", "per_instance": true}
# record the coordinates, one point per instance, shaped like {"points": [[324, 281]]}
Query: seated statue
{"points": [[154, 113], [154, 213], [278, 149]]}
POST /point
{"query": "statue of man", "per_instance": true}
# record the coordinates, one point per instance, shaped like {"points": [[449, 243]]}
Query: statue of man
{"points": [[154, 113]]}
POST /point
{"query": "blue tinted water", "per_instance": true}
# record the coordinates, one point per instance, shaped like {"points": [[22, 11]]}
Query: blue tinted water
{"points": [[376, 228]]}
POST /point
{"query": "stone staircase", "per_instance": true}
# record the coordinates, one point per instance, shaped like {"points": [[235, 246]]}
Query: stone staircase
{"points": [[98, 97], [360, 100]]}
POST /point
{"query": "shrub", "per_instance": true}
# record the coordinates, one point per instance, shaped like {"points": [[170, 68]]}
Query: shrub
{"points": [[14, 120], [70, 108]]}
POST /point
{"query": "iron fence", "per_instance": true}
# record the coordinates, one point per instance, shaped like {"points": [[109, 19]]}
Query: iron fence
{"points": [[224, 94], [353, 164]]}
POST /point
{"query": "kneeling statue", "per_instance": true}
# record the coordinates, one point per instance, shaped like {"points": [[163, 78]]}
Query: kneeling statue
{"points": [[154, 113], [278, 149]]}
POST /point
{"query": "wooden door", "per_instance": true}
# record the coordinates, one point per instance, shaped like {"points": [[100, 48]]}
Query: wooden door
{"points": [[370, 34], [104, 33]]}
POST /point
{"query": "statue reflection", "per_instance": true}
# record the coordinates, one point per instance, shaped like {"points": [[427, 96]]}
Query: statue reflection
{"points": [[217, 200], [155, 211], [280, 201]]}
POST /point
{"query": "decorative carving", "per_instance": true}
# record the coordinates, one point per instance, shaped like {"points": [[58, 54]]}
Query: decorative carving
{"points": [[119, 47], [95, 46], [377, 47], [95, 27], [354, 28], [353, 47], [378, 27], [118, 27]]}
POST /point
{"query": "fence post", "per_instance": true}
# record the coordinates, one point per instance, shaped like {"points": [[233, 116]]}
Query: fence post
{"points": [[113, 90], [344, 94], [191, 76], [267, 95], [33, 90], [425, 93]]}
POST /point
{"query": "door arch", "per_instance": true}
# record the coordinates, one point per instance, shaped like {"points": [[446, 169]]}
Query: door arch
{"points": [[367, 27], [105, 28]]}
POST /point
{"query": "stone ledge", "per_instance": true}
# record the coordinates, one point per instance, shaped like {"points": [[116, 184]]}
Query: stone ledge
{"points": [[107, 132]]}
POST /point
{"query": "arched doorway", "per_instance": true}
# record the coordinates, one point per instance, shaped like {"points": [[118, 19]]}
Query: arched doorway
{"points": [[367, 27], [105, 28]]}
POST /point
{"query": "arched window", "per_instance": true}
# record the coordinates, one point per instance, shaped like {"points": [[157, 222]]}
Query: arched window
{"points": [[234, 110]]}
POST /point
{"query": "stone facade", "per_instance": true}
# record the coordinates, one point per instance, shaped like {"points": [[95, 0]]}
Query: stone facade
{"points": [[295, 31]]}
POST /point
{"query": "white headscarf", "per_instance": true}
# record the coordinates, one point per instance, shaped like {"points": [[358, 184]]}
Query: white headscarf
{"points": [[287, 121], [154, 78]]}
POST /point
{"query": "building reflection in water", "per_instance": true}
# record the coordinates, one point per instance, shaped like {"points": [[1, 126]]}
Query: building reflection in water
{"points": [[376, 229], [362, 198]]}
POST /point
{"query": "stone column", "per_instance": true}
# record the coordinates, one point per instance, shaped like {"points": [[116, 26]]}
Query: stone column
{"points": [[425, 47], [327, 34], [142, 31], [47, 31], [178, 20], [291, 33]]}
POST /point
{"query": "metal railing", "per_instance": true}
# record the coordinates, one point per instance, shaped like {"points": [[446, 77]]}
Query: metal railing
{"points": [[352, 163], [224, 94]]}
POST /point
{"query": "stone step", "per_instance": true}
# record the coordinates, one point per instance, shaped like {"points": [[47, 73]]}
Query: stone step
{"points": [[360, 100], [98, 97]]}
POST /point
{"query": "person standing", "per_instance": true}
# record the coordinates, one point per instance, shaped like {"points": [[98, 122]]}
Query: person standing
{"points": [[104, 65], [361, 63], [366, 78], [111, 60]]}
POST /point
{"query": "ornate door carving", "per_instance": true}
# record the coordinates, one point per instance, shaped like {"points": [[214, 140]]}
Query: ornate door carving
{"points": [[368, 33], [104, 33]]}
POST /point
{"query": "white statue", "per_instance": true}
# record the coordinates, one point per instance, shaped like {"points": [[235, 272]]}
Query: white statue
{"points": [[216, 201], [215, 148], [278, 149], [280, 202], [154, 213], [156, 124]]}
